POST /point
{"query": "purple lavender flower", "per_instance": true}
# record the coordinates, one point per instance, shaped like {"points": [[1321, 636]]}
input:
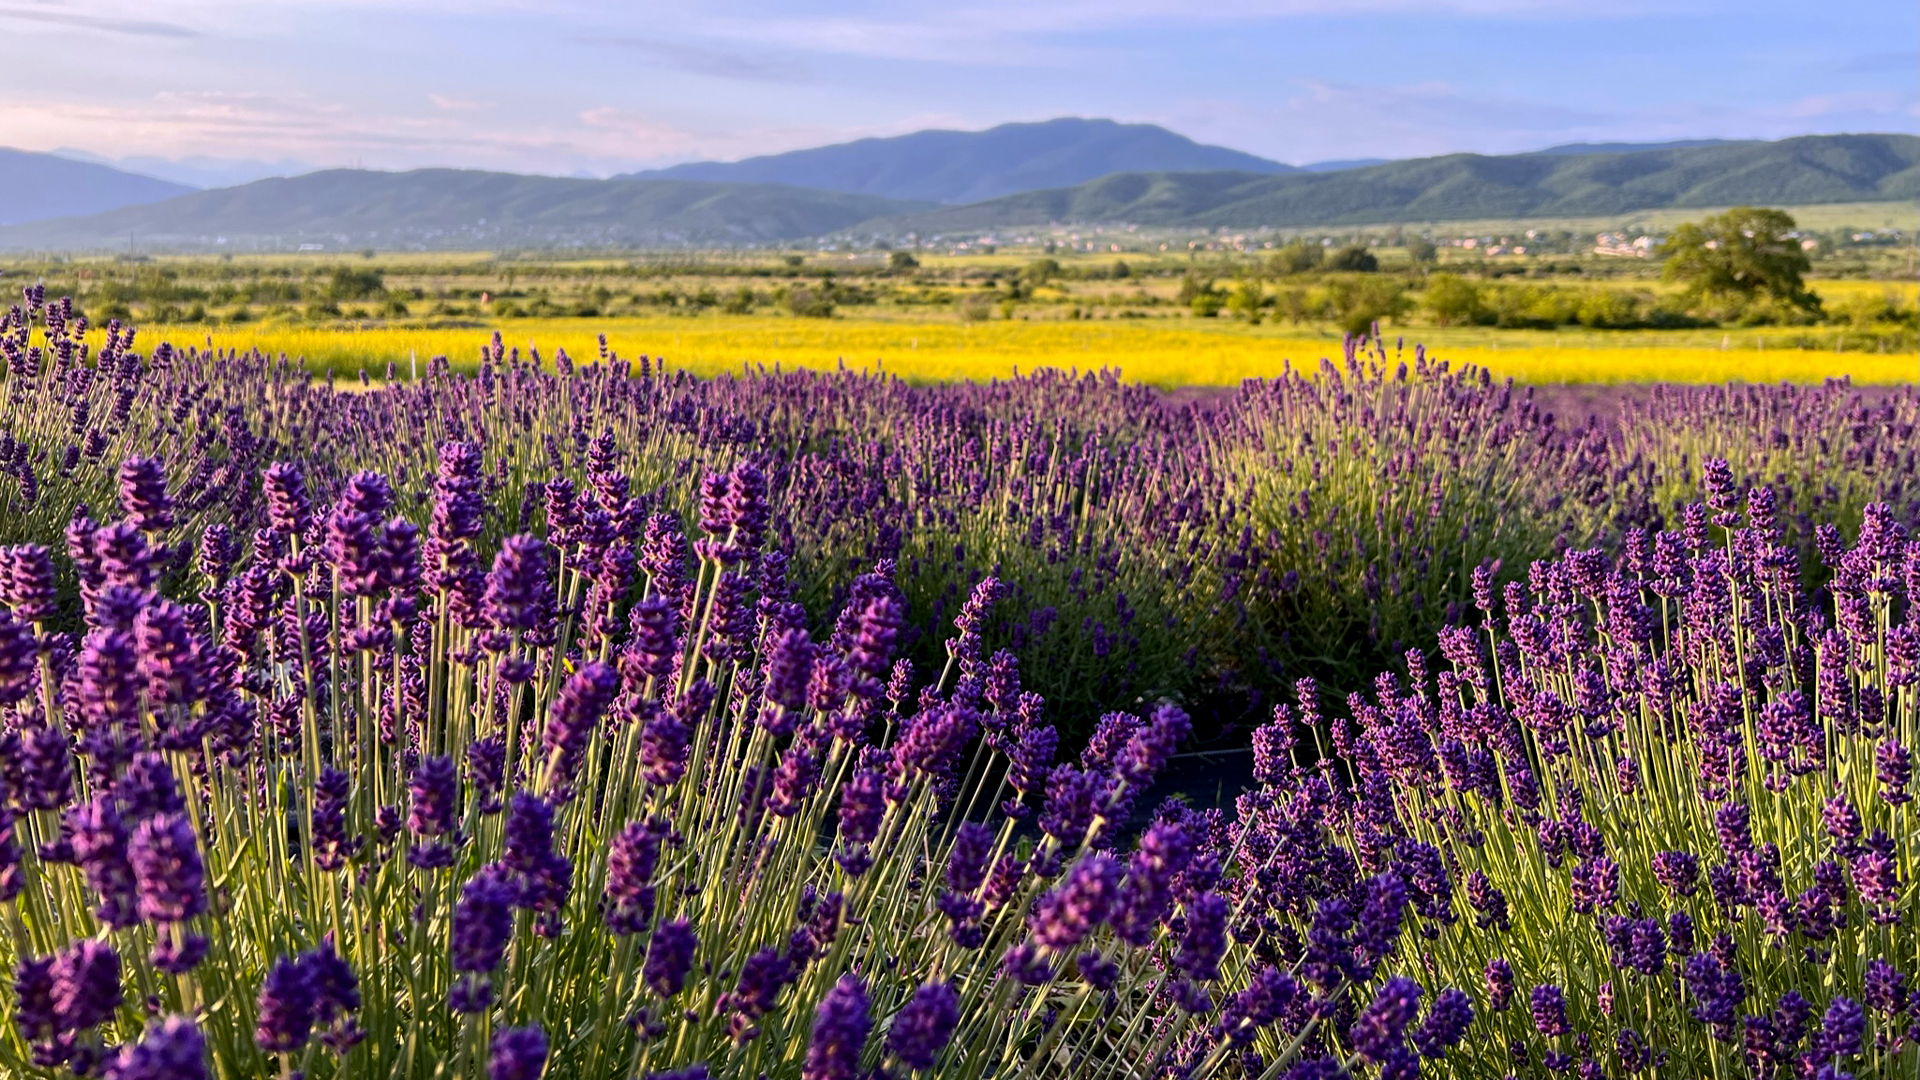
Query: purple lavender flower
{"points": [[519, 594], [840, 1030], [1153, 744], [967, 863], [173, 1049], [1884, 987], [924, 1025], [1446, 1024], [85, 989], [100, 847], [517, 1054], [27, 582], [631, 860], [331, 847], [1204, 944], [576, 711], [143, 494], [433, 811], [1548, 1004], [1843, 1029], [1065, 915], [285, 1007], [669, 957], [1380, 1030], [482, 921], [165, 856], [288, 508]]}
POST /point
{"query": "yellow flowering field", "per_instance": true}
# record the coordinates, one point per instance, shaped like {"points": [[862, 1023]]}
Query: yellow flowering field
{"points": [[1170, 352]]}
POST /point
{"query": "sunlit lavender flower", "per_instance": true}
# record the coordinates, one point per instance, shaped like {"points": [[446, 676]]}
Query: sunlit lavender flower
{"points": [[840, 1030], [173, 1049], [517, 1054], [285, 1007], [1065, 915], [924, 1025], [669, 957]]}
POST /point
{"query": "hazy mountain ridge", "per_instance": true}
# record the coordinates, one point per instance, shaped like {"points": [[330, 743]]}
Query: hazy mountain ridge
{"points": [[34, 186], [968, 166], [1809, 169], [452, 208], [441, 209]]}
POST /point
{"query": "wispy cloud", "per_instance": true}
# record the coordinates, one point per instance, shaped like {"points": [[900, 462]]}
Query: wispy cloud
{"points": [[719, 63], [108, 23]]}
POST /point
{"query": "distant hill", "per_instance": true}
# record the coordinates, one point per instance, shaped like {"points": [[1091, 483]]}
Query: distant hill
{"points": [[967, 166], [439, 209], [1631, 147], [36, 186], [1809, 169]]}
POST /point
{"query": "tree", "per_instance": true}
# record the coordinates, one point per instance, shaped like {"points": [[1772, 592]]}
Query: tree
{"points": [[1423, 253], [1358, 302], [1452, 299], [1040, 271], [1247, 299], [902, 260], [1355, 258], [1297, 257], [1748, 253]]}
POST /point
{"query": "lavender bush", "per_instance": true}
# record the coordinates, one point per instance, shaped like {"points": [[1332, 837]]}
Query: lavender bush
{"points": [[1664, 798]]}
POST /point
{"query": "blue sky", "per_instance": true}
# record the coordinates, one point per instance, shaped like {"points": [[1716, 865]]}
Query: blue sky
{"points": [[224, 89]]}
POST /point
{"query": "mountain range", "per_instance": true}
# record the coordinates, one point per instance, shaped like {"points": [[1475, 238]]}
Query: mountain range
{"points": [[1554, 183], [36, 186], [969, 166], [1151, 177], [440, 209]]}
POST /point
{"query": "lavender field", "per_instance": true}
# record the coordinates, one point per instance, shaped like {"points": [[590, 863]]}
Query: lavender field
{"points": [[580, 718]]}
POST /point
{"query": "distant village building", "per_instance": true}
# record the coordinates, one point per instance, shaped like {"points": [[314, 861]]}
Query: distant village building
{"points": [[1619, 246]]}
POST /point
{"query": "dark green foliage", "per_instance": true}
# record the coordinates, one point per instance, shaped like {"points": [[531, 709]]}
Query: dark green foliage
{"points": [[1747, 253], [1353, 258]]}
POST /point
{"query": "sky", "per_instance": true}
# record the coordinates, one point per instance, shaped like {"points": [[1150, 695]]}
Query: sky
{"points": [[216, 91]]}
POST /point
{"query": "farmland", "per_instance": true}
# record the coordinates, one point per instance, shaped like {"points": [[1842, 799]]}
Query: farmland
{"points": [[1209, 316]]}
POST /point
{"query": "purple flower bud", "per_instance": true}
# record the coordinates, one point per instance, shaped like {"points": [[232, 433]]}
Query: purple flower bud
{"points": [[1446, 1024], [924, 1025], [288, 508], [519, 592], [1379, 1032], [433, 798], [1549, 1007], [27, 582], [631, 860], [285, 1007], [331, 848], [1499, 977], [143, 494], [1066, 914], [86, 985], [517, 1054], [170, 1050], [166, 862], [840, 1028], [576, 711], [100, 847], [669, 957], [482, 921], [1204, 944]]}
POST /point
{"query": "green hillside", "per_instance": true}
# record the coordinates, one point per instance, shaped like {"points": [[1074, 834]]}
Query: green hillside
{"points": [[454, 208], [1809, 170]]}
